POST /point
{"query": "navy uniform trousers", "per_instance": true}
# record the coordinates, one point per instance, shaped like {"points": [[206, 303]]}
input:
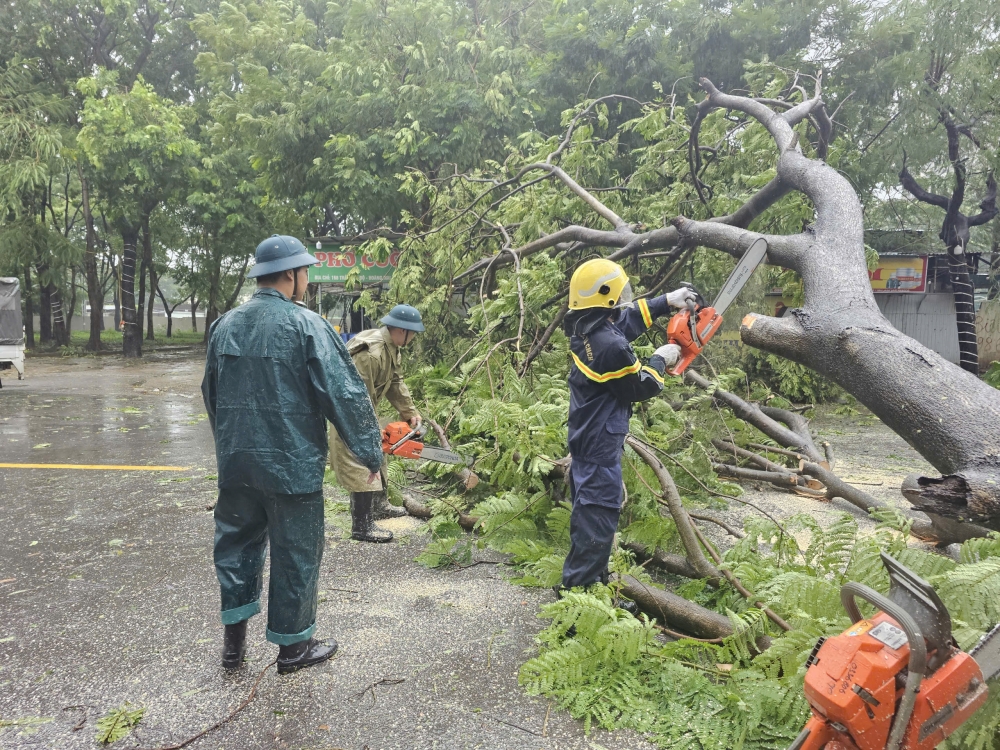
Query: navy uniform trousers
{"points": [[597, 502]]}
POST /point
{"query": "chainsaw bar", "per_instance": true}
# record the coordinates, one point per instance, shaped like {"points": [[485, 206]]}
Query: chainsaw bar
{"points": [[740, 275], [987, 653], [430, 453]]}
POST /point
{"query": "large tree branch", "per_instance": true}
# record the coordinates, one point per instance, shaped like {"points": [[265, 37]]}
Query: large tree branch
{"points": [[988, 205], [685, 528], [754, 415], [913, 188], [574, 233], [782, 250], [776, 124]]}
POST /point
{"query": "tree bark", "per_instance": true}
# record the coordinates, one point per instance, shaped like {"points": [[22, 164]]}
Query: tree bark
{"points": [[44, 307], [60, 334], [131, 333], [963, 291], [95, 294], [140, 316], [946, 414], [680, 613], [150, 335]]}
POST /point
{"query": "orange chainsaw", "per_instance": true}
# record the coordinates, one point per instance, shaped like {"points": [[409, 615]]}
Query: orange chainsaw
{"points": [[896, 680], [399, 439], [691, 329]]}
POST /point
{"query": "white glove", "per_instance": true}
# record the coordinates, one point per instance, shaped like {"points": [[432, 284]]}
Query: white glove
{"points": [[679, 297], [670, 354]]}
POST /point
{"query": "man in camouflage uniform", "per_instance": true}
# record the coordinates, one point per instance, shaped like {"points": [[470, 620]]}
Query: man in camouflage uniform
{"points": [[376, 354]]}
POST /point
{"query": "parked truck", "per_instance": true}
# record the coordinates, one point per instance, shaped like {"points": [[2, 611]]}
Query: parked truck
{"points": [[11, 328]]}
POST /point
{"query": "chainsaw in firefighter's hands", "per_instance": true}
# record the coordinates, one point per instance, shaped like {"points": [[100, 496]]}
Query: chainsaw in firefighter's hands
{"points": [[895, 680], [399, 439], [691, 329]]}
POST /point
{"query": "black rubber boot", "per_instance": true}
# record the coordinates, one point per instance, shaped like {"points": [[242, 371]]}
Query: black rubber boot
{"points": [[629, 606], [234, 645], [382, 508], [363, 527], [304, 654]]}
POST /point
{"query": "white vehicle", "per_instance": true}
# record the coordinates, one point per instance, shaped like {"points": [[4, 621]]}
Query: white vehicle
{"points": [[11, 327]]}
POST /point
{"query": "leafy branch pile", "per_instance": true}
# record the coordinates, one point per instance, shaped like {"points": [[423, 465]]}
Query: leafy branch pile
{"points": [[741, 690]]}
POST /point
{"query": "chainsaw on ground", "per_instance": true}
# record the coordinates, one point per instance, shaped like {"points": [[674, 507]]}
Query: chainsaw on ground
{"points": [[692, 328], [399, 439], [896, 680]]}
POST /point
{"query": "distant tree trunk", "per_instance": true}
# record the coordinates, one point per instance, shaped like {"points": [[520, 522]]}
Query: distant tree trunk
{"points": [[71, 308], [214, 291], [168, 310], [131, 334], [29, 311], [44, 307], [150, 336], [118, 305], [239, 286], [964, 292], [194, 320], [95, 294], [60, 334], [141, 298]]}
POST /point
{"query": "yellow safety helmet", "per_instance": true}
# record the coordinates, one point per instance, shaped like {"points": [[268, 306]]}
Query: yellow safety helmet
{"points": [[599, 283]]}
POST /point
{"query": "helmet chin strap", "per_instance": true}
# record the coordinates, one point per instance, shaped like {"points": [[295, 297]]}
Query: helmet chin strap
{"points": [[295, 288]]}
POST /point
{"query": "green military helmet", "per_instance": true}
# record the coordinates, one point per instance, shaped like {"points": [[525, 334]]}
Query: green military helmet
{"points": [[404, 316], [279, 252]]}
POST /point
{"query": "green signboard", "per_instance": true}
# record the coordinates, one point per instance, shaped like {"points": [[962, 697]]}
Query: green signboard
{"points": [[334, 265]]}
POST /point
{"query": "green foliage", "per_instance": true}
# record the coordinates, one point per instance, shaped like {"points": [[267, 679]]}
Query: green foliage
{"points": [[992, 375], [117, 723], [795, 382], [613, 672]]}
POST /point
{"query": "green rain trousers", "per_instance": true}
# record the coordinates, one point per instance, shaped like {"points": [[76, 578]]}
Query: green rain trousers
{"points": [[245, 520]]}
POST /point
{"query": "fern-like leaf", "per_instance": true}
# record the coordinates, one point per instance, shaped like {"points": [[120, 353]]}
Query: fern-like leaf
{"points": [[117, 723]]}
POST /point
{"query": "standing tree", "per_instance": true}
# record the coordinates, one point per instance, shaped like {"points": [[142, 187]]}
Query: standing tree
{"points": [[140, 153], [956, 224]]}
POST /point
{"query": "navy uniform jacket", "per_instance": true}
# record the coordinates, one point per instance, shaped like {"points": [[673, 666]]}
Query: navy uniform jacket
{"points": [[607, 378]]}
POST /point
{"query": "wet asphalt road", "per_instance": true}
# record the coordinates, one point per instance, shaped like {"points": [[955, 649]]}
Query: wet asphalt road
{"points": [[108, 596]]}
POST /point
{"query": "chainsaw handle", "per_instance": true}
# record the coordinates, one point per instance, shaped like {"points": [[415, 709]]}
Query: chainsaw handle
{"points": [[918, 650]]}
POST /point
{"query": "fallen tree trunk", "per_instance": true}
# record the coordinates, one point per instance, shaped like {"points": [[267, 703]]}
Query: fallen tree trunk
{"points": [[678, 613], [675, 611], [946, 414], [668, 562], [418, 509]]}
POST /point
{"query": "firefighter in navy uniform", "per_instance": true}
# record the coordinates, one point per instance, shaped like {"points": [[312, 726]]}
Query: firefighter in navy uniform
{"points": [[606, 378]]}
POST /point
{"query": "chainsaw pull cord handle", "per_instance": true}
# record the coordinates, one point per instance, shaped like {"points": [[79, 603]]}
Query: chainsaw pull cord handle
{"points": [[918, 650]]}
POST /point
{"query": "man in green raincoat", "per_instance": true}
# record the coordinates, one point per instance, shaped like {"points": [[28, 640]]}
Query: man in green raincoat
{"points": [[274, 374], [376, 354]]}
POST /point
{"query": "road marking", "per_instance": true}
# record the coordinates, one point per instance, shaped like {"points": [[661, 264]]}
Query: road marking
{"points": [[95, 467]]}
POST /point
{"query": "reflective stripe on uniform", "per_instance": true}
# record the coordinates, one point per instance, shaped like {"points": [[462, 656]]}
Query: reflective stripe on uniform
{"points": [[644, 309], [604, 377], [655, 374]]}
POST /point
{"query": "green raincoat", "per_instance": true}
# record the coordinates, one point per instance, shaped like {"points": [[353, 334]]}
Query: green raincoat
{"points": [[380, 365], [274, 374]]}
